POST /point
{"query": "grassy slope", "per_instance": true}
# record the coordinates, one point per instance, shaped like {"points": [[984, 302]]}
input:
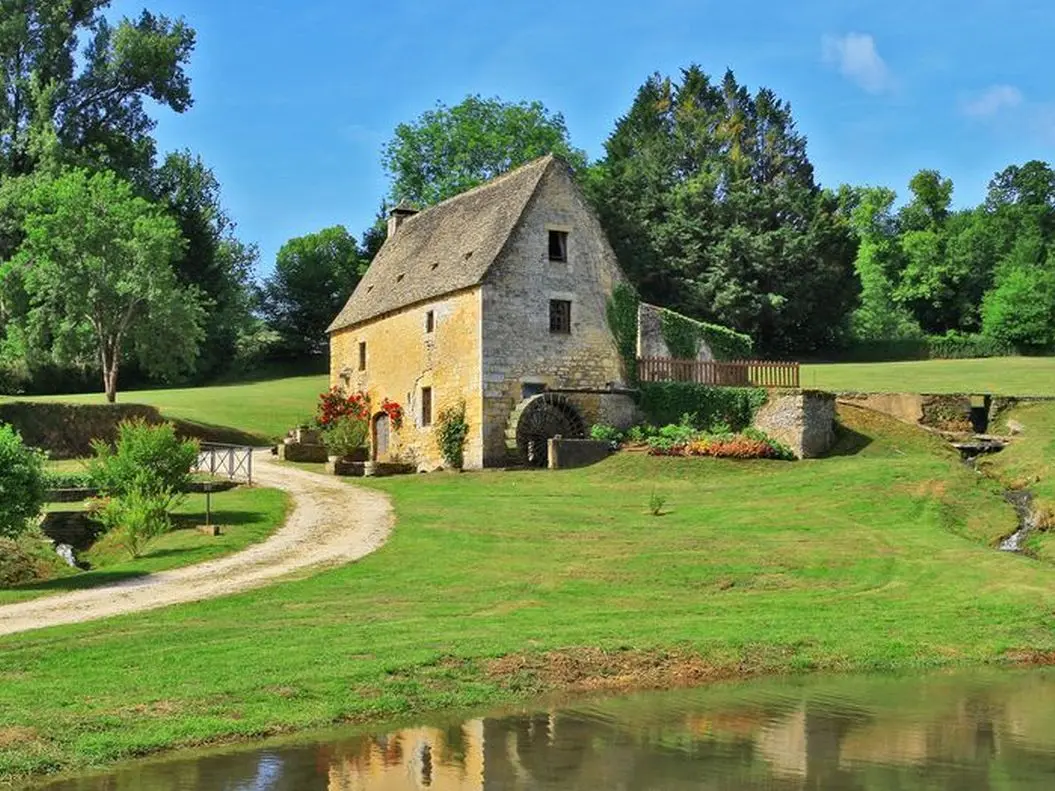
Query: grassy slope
{"points": [[248, 516], [266, 409], [1030, 461], [874, 560], [1001, 375]]}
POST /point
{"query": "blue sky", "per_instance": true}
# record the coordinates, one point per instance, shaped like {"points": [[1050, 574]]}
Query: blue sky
{"points": [[294, 100]]}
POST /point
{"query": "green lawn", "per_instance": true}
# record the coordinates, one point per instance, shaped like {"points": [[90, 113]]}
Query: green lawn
{"points": [[998, 375], [499, 586], [248, 515], [265, 409]]}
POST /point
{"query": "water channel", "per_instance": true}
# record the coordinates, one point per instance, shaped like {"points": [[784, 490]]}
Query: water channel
{"points": [[968, 731]]}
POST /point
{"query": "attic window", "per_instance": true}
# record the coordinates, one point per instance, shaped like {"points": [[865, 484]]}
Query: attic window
{"points": [[362, 355], [400, 276], [430, 320], [558, 245]]}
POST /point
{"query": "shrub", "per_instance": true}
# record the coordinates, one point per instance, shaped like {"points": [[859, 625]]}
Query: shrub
{"points": [[452, 430], [28, 558], [67, 480], [345, 435], [149, 460], [136, 518], [667, 402], [22, 484], [603, 433], [656, 502]]}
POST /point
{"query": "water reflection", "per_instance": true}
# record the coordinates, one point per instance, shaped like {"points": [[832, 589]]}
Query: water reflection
{"points": [[974, 731]]}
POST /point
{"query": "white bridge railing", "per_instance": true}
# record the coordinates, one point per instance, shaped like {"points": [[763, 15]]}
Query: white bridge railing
{"points": [[234, 462]]}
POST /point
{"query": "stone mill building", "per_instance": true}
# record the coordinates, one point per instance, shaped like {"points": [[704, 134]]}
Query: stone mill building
{"points": [[496, 298]]}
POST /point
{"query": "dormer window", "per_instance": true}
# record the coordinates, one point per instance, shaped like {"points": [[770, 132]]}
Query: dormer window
{"points": [[558, 245]]}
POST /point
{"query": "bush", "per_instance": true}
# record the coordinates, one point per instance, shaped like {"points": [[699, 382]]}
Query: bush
{"points": [[148, 460], [136, 518], [452, 430], [667, 402], [29, 558], [603, 433], [68, 480], [345, 435], [22, 484]]}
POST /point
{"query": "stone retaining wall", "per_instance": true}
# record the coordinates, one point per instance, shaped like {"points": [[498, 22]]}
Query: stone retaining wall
{"points": [[567, 453], [804, 420]]}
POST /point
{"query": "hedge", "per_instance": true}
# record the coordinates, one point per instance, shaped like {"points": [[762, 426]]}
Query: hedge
{"points": [[953, 346], [666, 402]]}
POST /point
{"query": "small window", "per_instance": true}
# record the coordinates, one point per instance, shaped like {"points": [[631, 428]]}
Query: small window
{"points": [[430, 320], [559, 315], [558, 245], [362, 355], [426, 406]]}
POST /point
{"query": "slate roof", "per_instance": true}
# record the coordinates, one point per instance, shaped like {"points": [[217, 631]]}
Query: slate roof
{"points": [[445, 248]]}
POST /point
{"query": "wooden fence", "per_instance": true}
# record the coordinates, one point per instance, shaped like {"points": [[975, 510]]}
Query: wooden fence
{"points": [[736, 373]]}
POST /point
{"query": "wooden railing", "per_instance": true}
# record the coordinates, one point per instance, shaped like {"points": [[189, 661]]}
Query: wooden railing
{"points": [[736, 373]]}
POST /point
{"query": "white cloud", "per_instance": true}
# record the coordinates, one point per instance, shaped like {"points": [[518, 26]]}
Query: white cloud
{"points": [[991, 101], [856, 57]]}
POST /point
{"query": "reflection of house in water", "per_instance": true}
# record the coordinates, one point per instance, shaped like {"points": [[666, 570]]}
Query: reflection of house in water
{"points": [[449, 759]]}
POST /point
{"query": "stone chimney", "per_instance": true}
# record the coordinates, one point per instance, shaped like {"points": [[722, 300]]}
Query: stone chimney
{"points": [[398, 215]]}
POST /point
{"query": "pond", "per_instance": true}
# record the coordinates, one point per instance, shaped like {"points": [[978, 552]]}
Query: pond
{"points": [[968, 731]]}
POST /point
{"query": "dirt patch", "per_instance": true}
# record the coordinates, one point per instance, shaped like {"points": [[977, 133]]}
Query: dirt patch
{"points": [[332, 522], [16, 735], [1030, 657], [596, 670]]}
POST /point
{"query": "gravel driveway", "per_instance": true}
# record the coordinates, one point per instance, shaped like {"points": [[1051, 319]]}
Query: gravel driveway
{"points": [[330, 523]]}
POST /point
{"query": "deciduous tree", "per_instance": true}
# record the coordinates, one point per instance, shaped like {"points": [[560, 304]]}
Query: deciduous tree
{"points": [[97, 269], [448, 150]]}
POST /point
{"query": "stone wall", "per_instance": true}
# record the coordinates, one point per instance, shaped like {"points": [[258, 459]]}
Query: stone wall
{"points": [[402, 358], [650, 340], [804, 420], [617, 409], [565, 454], [520, 354]]}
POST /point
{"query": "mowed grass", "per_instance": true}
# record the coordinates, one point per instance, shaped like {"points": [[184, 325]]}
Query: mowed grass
{"points": [[265, 409], [879, 559], [997, 375], [247, 515]]}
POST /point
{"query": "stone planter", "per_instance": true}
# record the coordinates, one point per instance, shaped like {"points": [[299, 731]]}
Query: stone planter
{"points": [[306, 436], [336, 465]]}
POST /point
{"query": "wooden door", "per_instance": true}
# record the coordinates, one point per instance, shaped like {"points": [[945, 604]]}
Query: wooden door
{"points": [[381, 437]]}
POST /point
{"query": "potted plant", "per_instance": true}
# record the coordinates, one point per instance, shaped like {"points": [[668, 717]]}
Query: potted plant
{"points": [[345, 439]]}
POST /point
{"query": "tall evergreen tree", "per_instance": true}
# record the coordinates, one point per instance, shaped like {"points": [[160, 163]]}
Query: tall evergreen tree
{"points": [[709, 200]]}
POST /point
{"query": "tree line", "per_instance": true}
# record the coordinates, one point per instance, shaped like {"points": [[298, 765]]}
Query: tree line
{"points": [[115, 261]]}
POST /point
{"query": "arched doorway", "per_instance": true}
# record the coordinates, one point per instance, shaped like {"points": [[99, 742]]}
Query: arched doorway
{"points": [[382, 436]]}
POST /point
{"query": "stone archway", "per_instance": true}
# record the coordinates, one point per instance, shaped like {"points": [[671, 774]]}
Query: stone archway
{"points": [[538, 419]]}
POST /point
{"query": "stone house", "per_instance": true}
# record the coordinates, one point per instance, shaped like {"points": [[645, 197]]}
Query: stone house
{"points": [[496, 298]]}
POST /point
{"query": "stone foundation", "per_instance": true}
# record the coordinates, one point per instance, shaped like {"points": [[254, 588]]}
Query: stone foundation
{"points": [[804, 420]]}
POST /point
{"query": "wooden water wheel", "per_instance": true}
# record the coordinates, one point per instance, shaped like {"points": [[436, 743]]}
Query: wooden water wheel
{"points": [[537, 420]]}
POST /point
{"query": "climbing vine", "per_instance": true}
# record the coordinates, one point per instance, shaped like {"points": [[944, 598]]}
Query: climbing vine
{"points": [[683, 336], [622, 321]]}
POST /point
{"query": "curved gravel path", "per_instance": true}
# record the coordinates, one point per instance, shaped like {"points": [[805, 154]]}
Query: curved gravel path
{"points": [[330, 523]]}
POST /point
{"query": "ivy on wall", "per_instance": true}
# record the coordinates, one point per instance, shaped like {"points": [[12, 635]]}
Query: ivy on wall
{"points": [[666, 402], [622, 321], [683, 336]]}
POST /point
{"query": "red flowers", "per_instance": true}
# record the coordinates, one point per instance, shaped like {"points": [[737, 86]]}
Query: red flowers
{"points": [[334, 404], [394, 412]]}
